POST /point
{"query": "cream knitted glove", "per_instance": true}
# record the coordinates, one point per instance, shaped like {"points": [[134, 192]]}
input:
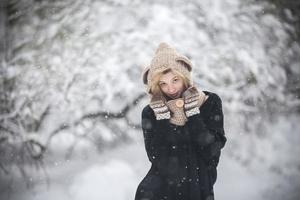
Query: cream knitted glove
{"points": [[193, 99], [159, 107], [177, 111]]}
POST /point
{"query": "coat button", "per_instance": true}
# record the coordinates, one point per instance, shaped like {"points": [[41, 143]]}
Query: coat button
{"points": [[179, 103]]}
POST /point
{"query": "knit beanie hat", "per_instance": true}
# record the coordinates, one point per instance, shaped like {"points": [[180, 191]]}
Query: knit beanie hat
{"points": [[166, 57]]}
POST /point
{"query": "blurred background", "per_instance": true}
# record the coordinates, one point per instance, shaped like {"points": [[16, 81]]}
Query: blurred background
{"points": [[71, 93]]}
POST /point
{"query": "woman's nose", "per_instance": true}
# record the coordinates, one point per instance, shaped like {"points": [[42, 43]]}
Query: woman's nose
{"points": [[171, 89]]}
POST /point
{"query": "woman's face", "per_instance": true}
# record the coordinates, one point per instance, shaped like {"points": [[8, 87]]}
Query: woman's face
{"points": [[171, 85]]}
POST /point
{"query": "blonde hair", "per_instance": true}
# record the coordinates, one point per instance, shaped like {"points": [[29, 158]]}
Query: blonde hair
{"points": [[155, 88]]}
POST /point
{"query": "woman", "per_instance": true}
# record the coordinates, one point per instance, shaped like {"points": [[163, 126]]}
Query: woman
{"points": [[183, 131]]}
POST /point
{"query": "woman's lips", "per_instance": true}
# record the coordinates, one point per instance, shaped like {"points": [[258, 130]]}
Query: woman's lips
{"points": [[174, 95]]}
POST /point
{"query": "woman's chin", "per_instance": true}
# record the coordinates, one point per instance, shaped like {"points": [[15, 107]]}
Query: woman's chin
{"points": [[174, 97]]}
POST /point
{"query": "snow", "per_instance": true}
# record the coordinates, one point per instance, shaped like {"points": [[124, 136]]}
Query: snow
{"points": [[98, 182], [116, 174]]}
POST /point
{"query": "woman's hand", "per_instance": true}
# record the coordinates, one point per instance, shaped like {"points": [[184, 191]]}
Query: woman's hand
{"points": [[159, 107], [193, 99]]}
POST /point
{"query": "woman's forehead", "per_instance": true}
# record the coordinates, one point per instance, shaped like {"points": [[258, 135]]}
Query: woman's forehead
{"points": [[168, 76]]}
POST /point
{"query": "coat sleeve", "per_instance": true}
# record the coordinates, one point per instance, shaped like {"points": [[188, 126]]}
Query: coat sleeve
{"points": [[208, 134], [152, 138]]}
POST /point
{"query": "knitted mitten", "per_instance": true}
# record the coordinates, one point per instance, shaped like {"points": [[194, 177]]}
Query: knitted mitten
{"points": [[177, 112], [158, 105], [193, 99]]}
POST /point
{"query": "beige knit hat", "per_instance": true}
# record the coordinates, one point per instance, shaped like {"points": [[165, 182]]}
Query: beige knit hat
{"points": [[166, 57]]}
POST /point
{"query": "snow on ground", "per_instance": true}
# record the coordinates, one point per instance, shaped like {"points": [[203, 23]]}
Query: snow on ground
{"points": [[115, 175]]}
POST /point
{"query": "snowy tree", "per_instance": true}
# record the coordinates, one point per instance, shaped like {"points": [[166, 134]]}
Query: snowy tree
{"points": [[72, 79]]}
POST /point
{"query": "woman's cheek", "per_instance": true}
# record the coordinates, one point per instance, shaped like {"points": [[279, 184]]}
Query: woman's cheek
{"points": [[163, 88]]}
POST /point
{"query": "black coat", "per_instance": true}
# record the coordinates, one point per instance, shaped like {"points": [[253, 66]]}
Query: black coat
{"points": [[184, 158]]}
